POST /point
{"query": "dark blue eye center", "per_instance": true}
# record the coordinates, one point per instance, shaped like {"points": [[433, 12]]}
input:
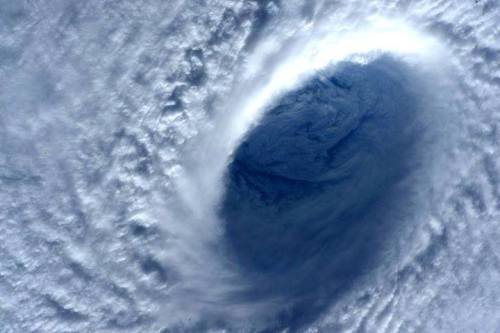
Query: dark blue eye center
{"points": [[304, 182]]}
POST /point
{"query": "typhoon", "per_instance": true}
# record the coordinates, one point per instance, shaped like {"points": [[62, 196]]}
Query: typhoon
{"points": [[249, 166]]}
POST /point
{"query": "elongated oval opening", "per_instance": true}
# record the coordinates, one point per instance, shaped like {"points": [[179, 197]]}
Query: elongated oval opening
{"points": [[308, 188]]}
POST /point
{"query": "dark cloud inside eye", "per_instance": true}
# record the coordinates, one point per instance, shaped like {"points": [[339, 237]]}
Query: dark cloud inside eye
{"points": [[309, 189]]}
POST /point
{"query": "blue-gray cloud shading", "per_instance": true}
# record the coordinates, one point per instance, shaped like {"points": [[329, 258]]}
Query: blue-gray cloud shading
{"points": [[305, 185]]}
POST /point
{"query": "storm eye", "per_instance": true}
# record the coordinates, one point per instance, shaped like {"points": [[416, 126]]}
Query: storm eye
{"points": [[307, 190]]}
